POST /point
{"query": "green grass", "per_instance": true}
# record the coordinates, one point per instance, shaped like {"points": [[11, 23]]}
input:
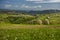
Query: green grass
{"points": [[10, 31], [30, 34], [30, 19]]}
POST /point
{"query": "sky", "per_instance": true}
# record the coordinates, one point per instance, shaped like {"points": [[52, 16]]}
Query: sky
{"points": [[30, 4]]}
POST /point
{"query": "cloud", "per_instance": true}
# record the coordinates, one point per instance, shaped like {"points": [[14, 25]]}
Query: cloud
{"points": [[23, 6], [44, 1], [8, 5], [11, 6], [16, 6], [34, 0], [31, 7], [54, 0]]}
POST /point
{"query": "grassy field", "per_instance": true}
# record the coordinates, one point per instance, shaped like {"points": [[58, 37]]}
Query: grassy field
{"points": [[28, 27], [29, 32]]}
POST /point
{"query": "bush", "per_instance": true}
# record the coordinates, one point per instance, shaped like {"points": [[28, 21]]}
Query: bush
{"points": [[19, 20], [46, 22]]}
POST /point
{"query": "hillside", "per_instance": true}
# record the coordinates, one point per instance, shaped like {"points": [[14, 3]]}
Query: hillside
{"points": [[33, 19], [31, 12]]}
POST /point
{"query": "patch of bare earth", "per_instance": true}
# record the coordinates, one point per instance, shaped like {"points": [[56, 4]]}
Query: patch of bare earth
{"points": [[27, 26]]}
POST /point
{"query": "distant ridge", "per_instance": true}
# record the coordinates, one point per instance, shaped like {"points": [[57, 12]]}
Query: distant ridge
{"points": [[30, 11]]}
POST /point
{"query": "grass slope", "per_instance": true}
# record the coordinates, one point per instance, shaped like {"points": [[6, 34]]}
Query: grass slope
{"points": [[29, 32]]}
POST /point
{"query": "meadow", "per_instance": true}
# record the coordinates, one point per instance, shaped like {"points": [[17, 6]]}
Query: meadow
{"points": [[30, 33], [29, 27]]}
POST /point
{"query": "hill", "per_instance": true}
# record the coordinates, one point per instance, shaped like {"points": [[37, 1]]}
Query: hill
{"points": [[31, 12]]}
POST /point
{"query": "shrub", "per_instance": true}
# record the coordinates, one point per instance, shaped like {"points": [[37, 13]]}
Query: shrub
{"points": [[46, 22]]}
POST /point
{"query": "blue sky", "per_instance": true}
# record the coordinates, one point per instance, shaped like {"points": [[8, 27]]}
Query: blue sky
{"points": [[30, 4]]}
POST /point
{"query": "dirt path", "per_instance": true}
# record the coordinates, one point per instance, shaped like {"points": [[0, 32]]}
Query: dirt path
{"points": [[15, 26]]}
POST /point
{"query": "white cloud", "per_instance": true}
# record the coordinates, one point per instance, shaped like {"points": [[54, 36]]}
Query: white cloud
{"points": [[54, 0], [30, 7], [16, 6], [34, 0], [44, 1], [8, 5]]}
